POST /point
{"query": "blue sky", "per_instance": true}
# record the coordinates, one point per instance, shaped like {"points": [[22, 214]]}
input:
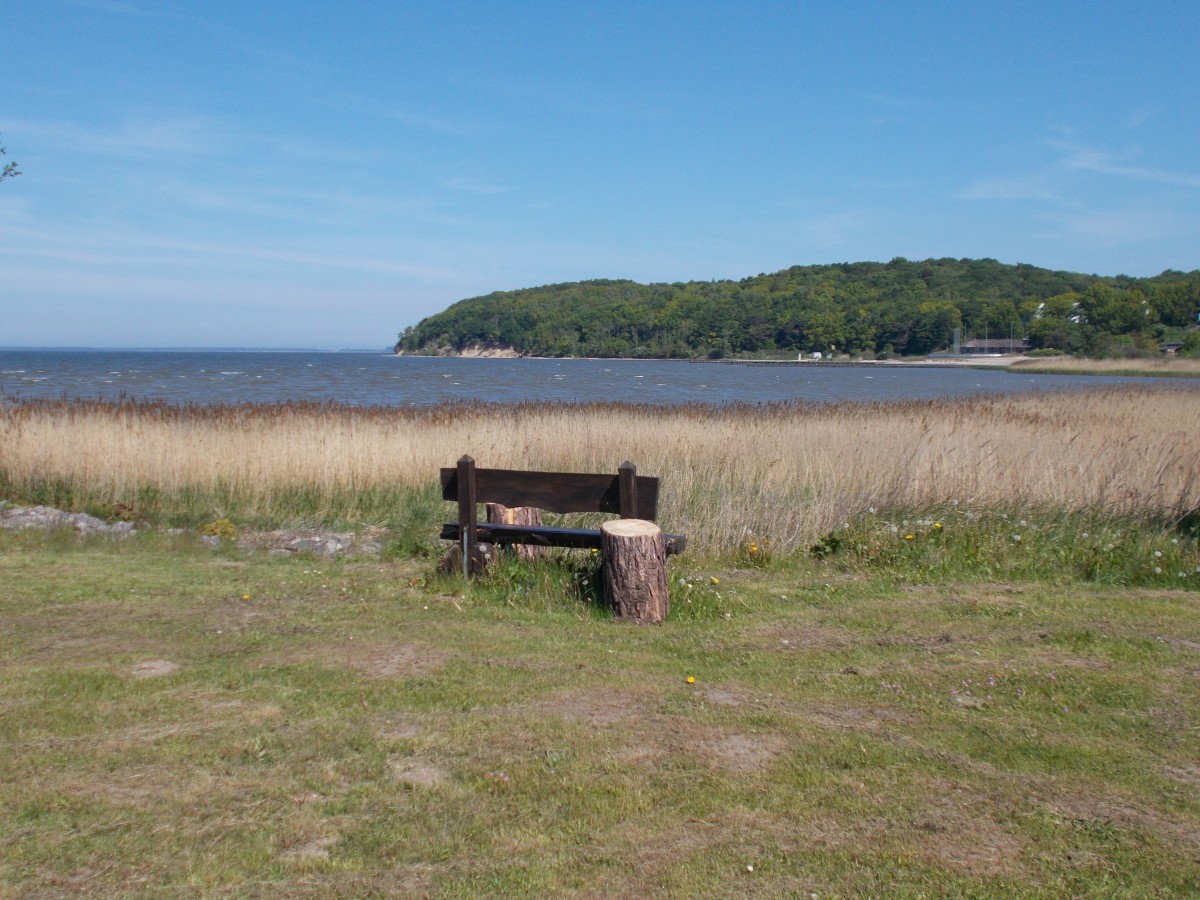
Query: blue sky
{"points": [[322, 175]]}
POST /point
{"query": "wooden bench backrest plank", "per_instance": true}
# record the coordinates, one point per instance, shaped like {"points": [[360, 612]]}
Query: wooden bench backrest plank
{"points": [[557, 492]]}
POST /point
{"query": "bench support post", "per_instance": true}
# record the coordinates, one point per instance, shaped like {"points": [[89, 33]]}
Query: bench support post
{"points": [[467, 511], [627, 481]]}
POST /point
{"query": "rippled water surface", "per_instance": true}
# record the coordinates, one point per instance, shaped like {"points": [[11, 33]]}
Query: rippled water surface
{"points": [[370, 379]]}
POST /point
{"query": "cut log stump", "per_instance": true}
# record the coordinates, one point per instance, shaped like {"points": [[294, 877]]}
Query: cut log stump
{"points": [[499, 514], [635, 569]]}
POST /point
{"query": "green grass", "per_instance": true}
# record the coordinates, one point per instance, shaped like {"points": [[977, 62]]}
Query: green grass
{"points": [[936, 717]]}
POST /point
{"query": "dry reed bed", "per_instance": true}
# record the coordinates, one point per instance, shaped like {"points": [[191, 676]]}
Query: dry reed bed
{"points": [[787, 472], [1070, 365]]}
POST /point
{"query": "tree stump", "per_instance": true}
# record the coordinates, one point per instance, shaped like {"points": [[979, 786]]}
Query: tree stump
{"points": [[499, 514], [635, 569]]}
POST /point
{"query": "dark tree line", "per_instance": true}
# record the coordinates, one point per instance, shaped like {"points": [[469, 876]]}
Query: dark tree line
{"points": [[902, 307]]}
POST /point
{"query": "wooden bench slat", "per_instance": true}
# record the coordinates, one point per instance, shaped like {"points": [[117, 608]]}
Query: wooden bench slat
{"points": [[558, 492], [546, 536]]}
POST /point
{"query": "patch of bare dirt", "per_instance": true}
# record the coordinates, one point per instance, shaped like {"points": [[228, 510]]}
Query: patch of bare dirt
{"points": [[417, 773], [399, 730], [371, 660], [957, 832], [1089, 811], [1189, 773], [807, 638], [399, 661], [144, 786], [306, 851], [723, 696], [154, 668], [742, 753], [855, 717], [240, 711], [595, 709]]}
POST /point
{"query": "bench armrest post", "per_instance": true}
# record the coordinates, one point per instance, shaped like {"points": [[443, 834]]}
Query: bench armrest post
{"points": [[627, 476], [467, 511]]}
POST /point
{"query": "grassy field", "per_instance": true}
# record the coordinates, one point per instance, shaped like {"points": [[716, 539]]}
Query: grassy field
{"points": [[784, 473], [919, 649], [179, 720]]}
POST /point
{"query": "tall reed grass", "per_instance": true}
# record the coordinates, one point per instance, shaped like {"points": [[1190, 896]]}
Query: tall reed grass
{"points": [[782, 472], [1158, 366]]}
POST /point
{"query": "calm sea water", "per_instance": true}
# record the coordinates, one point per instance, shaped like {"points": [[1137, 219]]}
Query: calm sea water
{"points": [[370, 379]]}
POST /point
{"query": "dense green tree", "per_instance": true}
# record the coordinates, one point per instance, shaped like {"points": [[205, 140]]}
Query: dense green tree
{"points": [[911, 306], [933, 326], [1177, 303]]}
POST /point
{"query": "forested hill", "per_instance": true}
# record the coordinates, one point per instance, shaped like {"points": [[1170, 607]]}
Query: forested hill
{"points": [[902, 306]]}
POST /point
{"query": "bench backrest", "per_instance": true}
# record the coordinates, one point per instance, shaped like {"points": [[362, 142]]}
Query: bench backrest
{"points": [[557, 492]]}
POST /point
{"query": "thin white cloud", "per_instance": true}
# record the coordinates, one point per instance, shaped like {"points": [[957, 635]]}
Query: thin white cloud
{"points": [[895, 102], [1119, 227], [390, 112], [1140, 116], [114, 6], [1015, 187], [474, 187], [166, 134], [836, 229], [132, 251], [1088, 160], [1054, 182]]}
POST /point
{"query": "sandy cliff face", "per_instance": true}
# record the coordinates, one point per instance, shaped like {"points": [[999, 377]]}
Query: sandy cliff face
{"points": [[474, 351]]}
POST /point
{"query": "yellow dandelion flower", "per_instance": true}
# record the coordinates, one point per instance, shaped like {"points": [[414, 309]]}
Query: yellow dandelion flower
{"points": [[691, 679], [716, 580], [245, 596], [909, 537]]}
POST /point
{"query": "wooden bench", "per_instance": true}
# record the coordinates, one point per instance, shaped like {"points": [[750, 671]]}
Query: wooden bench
{"points": [[626, 494]]}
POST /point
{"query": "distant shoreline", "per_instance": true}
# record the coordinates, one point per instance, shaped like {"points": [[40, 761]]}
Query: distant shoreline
{"points": [[991, 362]]}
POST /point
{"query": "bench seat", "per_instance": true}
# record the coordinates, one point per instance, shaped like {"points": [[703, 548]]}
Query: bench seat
{"points": [[546, 536]]}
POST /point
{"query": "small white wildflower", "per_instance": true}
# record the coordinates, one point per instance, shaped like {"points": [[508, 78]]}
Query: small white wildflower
{"points": [[1158, 554], [1017, 538], [871, 510], [1023, 523], [1174, 540], [1158, 570], [1085, 535]]}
